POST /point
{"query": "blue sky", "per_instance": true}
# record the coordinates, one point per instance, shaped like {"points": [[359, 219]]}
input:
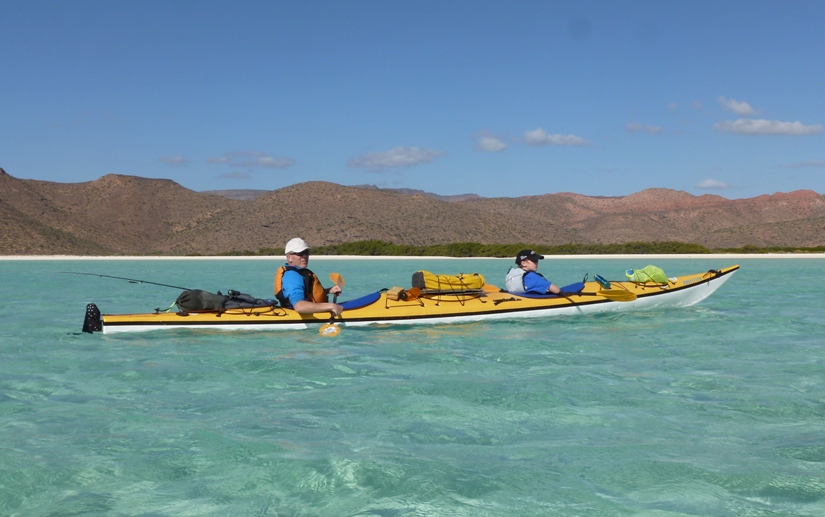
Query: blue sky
{"points": [[503, 98]]}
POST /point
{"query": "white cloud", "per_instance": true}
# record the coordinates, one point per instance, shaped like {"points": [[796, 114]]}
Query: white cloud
{"points": [[174, 160], [235, 175], [672, 107], [698, 105], [489, 143], [809, 163], [742, 109], [398, 157], [634, 127], [710, 184], [767, 127], [539, 137], [273, 163], [252, 159]]}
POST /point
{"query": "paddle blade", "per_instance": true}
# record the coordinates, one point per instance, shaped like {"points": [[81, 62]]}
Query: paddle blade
{"points": [[337, 279], [329, 330], [618, 295]]}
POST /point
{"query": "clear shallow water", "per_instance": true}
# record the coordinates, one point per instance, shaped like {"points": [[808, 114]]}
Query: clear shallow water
{"points": [[717, 409]]}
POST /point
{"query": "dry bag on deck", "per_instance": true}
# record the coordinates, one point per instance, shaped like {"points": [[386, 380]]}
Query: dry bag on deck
{"points": [[197, 300], [647, 274], [460, 282]]}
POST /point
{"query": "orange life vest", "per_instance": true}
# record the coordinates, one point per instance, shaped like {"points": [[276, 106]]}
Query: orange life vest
{"points": [[313, 290]]}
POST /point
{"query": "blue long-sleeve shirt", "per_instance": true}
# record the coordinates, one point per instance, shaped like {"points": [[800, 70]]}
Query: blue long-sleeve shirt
{"points": [[535, 283], [293, 286]]}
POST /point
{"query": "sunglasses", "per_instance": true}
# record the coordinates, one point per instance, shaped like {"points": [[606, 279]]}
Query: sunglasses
{"points": [[304, 253]]}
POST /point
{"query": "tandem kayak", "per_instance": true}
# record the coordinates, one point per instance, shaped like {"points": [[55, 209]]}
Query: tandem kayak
{"points": [[387, 307]]}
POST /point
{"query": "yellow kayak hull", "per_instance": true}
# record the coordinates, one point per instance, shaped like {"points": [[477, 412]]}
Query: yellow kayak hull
{"points": [[489, 304]]}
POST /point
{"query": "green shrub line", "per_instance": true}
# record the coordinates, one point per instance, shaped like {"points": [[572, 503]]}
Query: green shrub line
{"points": [[475, 249]]}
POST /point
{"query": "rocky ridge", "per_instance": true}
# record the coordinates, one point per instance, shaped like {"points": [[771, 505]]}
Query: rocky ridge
{"points": [[129, 215]]}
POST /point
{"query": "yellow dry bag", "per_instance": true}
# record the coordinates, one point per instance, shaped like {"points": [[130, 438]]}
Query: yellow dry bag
{"points": [[459, 282]]}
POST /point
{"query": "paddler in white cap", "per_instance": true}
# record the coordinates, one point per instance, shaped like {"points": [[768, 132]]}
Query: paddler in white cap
{"points": [[296, 287]]}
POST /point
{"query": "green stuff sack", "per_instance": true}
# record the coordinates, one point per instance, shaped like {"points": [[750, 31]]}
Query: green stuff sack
{"points": [[647, 274], [460, 282]]}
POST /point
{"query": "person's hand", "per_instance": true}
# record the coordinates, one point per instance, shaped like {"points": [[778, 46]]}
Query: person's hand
{"points": [[336, 309], [336, 289]]}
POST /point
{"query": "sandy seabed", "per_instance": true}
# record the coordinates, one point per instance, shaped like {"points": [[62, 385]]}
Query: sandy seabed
{"points": [[362, 257]]}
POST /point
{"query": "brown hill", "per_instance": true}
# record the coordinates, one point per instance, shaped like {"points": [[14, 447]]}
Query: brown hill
{"points": [[140, 216]]}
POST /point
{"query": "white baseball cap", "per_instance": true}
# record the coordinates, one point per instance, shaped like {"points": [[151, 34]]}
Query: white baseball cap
{"points": [[296, 245]]}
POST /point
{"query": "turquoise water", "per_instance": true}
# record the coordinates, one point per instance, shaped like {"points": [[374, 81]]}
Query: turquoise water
{"points": [[718, 409]]}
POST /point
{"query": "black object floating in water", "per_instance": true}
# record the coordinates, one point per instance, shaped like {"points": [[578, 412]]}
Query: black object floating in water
{"points": [[92, 322]]}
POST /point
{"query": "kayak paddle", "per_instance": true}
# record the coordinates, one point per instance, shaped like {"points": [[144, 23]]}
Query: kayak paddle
{"points": [[331, 329], [616, 295]]}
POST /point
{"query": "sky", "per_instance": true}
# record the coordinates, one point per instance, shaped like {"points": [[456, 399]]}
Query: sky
{"points": [[498, 98]]}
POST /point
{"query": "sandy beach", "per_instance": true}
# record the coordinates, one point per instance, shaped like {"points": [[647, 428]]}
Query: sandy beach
{"points": [[362, 257]]}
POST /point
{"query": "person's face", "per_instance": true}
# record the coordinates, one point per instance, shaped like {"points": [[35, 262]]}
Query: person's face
{"points": [[298, 259], [529, 265]]}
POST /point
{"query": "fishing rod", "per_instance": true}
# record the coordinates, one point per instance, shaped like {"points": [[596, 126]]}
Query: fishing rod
{"points": [[130, 280]]}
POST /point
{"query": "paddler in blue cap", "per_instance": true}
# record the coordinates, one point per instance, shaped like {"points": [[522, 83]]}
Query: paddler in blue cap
{"points": [[296, 287], [525, 278]]}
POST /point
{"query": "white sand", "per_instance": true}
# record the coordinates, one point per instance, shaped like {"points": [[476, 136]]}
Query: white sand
{"points": [[360, 257]]}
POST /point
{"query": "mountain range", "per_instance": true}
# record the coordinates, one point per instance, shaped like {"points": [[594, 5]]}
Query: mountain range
{"points": [[130, 215]]}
